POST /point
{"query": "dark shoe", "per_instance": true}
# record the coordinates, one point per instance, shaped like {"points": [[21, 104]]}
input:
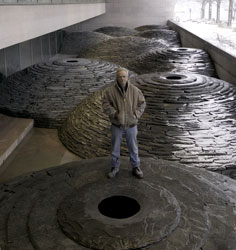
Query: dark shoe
{"points": [[138, 173], [113, 172]]}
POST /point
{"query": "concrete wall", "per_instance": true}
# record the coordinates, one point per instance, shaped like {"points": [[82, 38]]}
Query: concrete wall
{"points": [[22, 55], [132, 13], [225, 63], [31, 34], [20, 23]]}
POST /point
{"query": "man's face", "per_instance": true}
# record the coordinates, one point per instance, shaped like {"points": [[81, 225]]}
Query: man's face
{"points": [[122, 78]]}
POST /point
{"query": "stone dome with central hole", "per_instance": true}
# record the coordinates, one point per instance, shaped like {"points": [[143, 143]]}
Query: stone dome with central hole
{"points": [[48, 92], [188, 119]]}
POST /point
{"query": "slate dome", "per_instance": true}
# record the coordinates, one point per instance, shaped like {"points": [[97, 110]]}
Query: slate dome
{"points": [[48, 92], [188, 119]]}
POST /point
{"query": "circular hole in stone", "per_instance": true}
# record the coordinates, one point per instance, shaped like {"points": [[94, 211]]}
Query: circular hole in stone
{"points": [[174, 77], [72, 61], [118, 207]]}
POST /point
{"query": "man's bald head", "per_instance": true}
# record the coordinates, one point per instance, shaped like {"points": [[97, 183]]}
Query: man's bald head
{"points": [[122, 75]]}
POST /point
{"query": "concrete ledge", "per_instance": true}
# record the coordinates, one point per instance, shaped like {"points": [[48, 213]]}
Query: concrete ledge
{"points": [[21, 23], [225, 63], [12, 132]]}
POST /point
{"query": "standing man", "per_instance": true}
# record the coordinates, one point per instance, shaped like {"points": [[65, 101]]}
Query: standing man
{"points": [[124, 104]]}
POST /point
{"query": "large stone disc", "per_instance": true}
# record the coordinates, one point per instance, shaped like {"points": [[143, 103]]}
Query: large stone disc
{"points": [[179, 208]]}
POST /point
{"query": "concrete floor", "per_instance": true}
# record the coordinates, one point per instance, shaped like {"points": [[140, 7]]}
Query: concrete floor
{"points": [[40, 149]]}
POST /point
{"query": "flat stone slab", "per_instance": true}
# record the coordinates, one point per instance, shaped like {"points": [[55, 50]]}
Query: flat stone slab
{"points": [[180, 208]]}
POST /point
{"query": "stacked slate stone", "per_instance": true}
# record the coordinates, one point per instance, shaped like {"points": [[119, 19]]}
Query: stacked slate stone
{"points": [[86, 130], [57, 208], [152, 27], [123, 50], [117, 31], [189, 119], [48, 92], [191, 60], [76, 42], [169, 37]]}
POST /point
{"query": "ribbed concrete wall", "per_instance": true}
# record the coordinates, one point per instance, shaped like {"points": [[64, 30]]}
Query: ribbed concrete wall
{"points": [[32, 33], [22, 55], [132, 13], [225, 63]]}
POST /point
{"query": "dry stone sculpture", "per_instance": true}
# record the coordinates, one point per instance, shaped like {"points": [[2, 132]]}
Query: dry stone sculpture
{"points": [[116, 31], [169, 37], [189, 119], [75, 43], [67, 207], [48, 92], [152, 27], [123, 50], [191, 60]]}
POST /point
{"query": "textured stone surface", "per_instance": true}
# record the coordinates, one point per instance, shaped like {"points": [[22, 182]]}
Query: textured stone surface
{"points": [[123, 50], [57, 208], [47, 92], [169, 37], [75, 43], [86, 130], [116, 31], [191, 60], [152, 27], [189, 119]]}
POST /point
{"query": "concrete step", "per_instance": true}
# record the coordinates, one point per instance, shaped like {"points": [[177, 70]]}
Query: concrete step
{"points": [[12, 132]]}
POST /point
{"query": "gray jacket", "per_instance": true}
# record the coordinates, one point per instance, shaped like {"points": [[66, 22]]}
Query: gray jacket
{"points": [[123, 109]]}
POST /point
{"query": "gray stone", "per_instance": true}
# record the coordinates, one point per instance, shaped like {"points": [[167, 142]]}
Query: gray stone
{"points": [[78, 42], [152, 27], [48, 92], [189, 130], [181, 208], [169, 37], [123, 50], [116, 31], [190, 60]]}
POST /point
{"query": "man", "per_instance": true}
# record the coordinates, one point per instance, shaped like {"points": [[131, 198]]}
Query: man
{"points": [[124, 104]]}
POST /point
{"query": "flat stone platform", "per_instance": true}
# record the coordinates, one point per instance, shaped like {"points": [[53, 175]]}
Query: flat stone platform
{"points": [[12, 132], [68, 207]]}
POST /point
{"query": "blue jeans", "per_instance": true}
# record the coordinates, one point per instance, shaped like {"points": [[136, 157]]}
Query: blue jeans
{"points": [[132, 144]]}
